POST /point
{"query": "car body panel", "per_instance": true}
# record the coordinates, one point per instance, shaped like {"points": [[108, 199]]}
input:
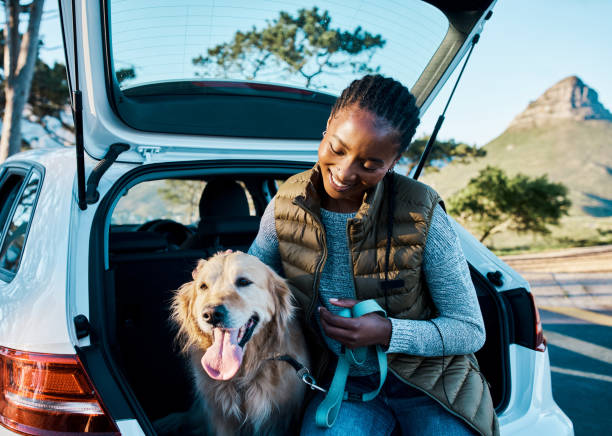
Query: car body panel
{"points": [[532, 409], [483, 260], [33, 304]]}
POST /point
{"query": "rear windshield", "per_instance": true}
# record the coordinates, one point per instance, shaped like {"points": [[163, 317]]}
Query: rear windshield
{"points": [[317, 45]]}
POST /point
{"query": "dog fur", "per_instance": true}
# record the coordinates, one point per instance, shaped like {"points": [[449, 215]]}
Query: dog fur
{"points": [[264, 396]]}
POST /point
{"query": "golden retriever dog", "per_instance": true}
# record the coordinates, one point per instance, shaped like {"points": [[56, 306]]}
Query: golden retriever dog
{"points": [[233, 317]]}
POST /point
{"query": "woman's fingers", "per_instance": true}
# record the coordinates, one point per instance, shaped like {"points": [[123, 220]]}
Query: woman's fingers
{"points": [[369, 329], [339, 321], [343, 302], [345, 337]]}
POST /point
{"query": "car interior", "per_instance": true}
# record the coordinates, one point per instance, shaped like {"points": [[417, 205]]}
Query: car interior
{"points": [[150, 259]]}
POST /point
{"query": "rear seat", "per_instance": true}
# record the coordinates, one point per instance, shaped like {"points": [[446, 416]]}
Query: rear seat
{"points": [[137, 242], [144, 287]]}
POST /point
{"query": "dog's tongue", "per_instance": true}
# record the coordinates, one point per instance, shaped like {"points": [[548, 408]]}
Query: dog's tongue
{"points": [[223, 358]]}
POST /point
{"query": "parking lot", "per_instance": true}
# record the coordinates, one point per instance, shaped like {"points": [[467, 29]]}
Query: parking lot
{"points": [[576, 311]]}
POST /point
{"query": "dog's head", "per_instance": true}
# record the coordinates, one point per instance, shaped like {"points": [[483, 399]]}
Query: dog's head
{"points": [[228, 303]]}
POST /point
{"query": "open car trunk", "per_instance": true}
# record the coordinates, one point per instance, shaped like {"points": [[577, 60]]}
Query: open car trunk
{"points": [[149, 260]]}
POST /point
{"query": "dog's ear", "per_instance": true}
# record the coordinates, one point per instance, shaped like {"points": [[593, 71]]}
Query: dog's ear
{"points": [[181, 313], [198, 268], [282, 299]]}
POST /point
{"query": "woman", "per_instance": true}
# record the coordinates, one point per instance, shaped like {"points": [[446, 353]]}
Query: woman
{"points": [[341, 229]]}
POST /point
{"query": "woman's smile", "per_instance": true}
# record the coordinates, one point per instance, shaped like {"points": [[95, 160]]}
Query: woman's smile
{"points": [[337, 184]]}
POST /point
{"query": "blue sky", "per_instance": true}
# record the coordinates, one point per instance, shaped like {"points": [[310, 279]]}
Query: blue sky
{"points": [[526, 47]]}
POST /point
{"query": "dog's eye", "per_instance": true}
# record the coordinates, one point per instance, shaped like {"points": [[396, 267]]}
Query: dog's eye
{"points": [[203, 286], [243, 282]]}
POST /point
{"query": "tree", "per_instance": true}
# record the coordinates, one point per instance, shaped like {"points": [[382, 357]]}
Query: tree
{"points": [[20, 53], [50, 97], [184, 195], [305, 45], [493, 201], [442, 151]]}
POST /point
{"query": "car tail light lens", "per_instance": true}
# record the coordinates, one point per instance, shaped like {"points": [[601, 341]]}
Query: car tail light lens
{"points": [[49, 394], [540, 339]]}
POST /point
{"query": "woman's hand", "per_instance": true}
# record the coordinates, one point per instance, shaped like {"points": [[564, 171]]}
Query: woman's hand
{"points": [[369, 329]]}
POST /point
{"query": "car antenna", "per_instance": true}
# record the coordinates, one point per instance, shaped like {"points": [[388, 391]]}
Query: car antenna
{"points": [[434, 134], [77, 113]]}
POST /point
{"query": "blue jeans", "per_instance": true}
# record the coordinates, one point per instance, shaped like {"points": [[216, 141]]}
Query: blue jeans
{"points": [[396, 404]]}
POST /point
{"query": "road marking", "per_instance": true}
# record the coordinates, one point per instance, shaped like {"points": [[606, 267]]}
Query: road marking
{"points": [[585, 374], [586, 315], [578, 346]]}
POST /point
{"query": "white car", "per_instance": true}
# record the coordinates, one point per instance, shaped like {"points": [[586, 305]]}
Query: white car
{"points": [[171, 167]]}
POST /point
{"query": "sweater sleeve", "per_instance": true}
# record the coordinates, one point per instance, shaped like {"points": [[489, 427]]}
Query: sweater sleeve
{"points": [[460, 323], [265, 245]]}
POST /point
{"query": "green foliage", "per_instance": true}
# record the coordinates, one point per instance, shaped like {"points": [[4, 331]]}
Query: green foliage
{"points": [[182, 194], [444, 151], [49, 94], [304, 44], [493, 201]]}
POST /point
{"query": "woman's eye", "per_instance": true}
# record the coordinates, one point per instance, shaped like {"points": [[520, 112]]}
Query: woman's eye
{"points": [[370, 169], [203, 286], [331, 147], [241, 282]]}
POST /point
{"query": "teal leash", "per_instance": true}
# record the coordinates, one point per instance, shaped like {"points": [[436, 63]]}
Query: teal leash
{"points": [[327, 412]]}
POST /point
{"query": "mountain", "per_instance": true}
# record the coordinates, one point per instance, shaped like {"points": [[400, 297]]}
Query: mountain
{"points": [[569, 99], [567, 134]]}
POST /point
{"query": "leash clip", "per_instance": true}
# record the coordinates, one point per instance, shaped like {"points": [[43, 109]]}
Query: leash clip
{"points": [[310, 381]]}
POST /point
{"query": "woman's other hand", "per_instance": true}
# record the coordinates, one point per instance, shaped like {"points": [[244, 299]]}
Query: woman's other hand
{"points": [[369, 329]]}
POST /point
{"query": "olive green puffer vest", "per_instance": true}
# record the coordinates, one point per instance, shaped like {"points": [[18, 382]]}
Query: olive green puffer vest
{"points": [[303, 251]]}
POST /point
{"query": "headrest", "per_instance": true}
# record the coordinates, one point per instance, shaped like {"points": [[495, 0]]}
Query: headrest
{"points": [[223, 198]]}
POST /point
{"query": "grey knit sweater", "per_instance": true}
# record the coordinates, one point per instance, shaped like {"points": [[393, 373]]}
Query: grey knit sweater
{"points": [[446, 273]]}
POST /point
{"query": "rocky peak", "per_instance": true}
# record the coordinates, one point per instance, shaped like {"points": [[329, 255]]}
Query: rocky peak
{"points": [[569, 99]]}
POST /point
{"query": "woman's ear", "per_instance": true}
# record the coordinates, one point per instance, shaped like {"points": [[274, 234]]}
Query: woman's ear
{"points": [[395, 161]]}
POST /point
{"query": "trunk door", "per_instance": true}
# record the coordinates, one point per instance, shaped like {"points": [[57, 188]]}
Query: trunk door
{"points": [[180, 79]]}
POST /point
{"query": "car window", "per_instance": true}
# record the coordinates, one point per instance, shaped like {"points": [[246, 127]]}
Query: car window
{"points": [[16, 232], [318, 45], [170, 199], [9, 188]]}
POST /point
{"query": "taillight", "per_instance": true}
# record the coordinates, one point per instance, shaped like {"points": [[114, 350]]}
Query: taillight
{"points": [[540, 340], [48, 393]]}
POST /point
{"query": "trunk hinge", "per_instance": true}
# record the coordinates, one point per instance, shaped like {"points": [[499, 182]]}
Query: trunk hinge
{"points": [[147, 152], [92, 195]]}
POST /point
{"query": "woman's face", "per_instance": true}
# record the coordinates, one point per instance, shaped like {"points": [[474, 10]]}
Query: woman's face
{"points": [[356, 152]]}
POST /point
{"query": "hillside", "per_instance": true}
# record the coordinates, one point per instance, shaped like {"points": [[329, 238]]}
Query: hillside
{"points": [[575, 153], [567, 134]]}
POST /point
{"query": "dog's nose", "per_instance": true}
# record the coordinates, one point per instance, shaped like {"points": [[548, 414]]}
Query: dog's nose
{"points": [[215, 315]]}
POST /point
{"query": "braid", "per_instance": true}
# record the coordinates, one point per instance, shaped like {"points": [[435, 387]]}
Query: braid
{"points": [[386, 98]]}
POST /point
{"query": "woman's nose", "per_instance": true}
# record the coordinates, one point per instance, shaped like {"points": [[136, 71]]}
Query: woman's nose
{"points": [[345, 172]]}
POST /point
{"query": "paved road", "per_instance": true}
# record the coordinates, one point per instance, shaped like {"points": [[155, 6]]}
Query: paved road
{"points": [[581, 362], [573, 289]]}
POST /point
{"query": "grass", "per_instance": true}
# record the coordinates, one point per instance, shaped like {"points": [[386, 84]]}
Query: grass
{"points": [[574, 231]]}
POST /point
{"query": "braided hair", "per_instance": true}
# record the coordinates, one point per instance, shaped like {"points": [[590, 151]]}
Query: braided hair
{"points": [[388, 99]]}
